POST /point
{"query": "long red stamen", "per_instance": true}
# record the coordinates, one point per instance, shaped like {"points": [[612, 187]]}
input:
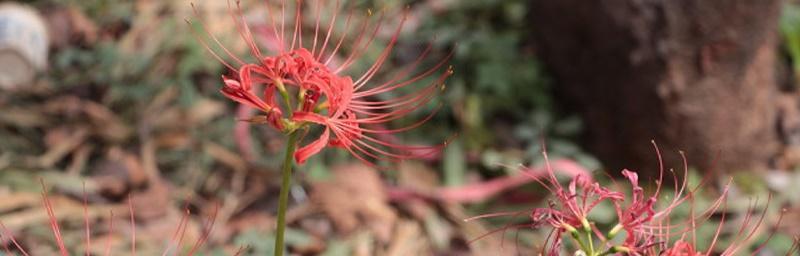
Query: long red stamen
{"points": [[317, 8], [243, 29], [331, 24], [384, 54], [87, 228], [7, 233], [48, 206], [133, 225], [341, 39], [298, 25], [110, 230], [274, 27]]}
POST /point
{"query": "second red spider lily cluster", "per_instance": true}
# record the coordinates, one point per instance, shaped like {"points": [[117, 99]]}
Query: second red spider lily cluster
{"points": [[644, 225], [304, 82]]}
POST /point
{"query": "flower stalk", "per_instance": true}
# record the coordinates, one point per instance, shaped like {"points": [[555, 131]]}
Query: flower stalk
{"points": [[283, 200]]}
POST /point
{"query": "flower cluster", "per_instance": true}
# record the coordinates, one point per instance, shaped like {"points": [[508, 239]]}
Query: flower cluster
{"points": [[643, 225], [303, 83]]}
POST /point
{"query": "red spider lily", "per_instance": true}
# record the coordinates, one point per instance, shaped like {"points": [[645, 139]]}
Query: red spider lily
{"points": [[569, 210], [682, 248], [645, 223], [349, 109], [639, 218], [571, 206], [649, 230]]}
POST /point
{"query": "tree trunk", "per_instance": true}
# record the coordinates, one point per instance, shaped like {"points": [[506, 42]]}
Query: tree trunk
{"points": [[697, 76]]}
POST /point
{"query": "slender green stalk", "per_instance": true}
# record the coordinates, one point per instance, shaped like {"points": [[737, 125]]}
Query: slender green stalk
{"points": [[283, 200]]}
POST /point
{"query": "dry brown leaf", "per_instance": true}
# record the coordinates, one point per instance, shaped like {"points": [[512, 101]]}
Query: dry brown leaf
{"points": [[69, 24], [319, 227], [225, 156], [363, 244], [251, 220], [79, 159], [154, 235], [408, 240], [18, 201], [488, 245], [167, 119], [64, 106], [106, 123], [204, 110], [82, 26], [22, 117], [118, 172], [65, 209], [356, 196], [153, 202], [64, 144], [417, 176], [149, 165], [161, 101], [420, 177], [173, 140], [144, 37]]}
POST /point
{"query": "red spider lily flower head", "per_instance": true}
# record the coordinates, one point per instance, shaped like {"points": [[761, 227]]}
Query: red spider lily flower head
{"points": [[351, 110], [644, 221], [682, 248], [742, 238], [569, 210], [648, 228]]}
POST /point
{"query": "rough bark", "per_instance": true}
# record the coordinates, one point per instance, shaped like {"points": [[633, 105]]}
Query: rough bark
{"points": [[692, 75]]}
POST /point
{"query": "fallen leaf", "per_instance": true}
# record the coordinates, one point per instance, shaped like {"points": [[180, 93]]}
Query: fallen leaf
{"points": [[68, 25], [22, 117], [106, 123], [204, 110], [225, 156], [408, 240], [63, 146], [151, 203], [356, 196], [118, 172]]}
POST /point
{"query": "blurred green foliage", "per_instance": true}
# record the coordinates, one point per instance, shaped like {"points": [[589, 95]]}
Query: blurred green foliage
{"points": [[500, 94], [790, 31]]}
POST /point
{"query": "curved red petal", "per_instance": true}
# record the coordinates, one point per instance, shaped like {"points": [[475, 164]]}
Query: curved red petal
{"points": [[302, 154], [309, 117]]}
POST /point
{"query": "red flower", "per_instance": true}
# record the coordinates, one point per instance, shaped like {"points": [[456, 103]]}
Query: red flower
{"points": [[682, 248], [649, 230], [350, 110], [570, 209], [646, 224]]}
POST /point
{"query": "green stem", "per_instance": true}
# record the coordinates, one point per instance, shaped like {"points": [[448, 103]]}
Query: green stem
{"points": [[285, 96], [283, 200], [576, 236], [591, 244]]}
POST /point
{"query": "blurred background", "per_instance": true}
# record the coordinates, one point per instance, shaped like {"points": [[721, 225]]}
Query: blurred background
{"points": [[116, 103]]}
